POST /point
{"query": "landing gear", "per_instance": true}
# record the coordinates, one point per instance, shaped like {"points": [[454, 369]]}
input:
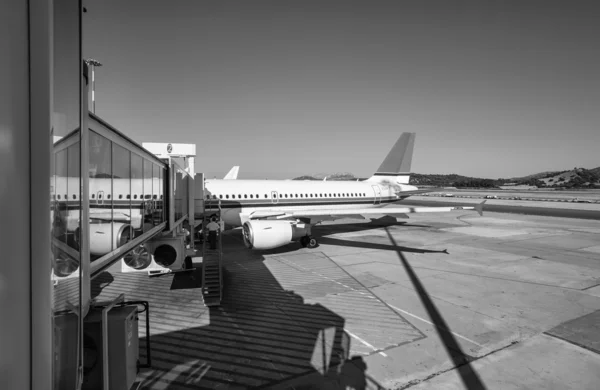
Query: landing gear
{"points": [[309, 242]]}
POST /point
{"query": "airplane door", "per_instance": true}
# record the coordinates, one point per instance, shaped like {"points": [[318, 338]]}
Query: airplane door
{"points": [[100, 197], [377, 192], [274, 197]]}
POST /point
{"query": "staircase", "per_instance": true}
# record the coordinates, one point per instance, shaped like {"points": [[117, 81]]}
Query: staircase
{"points": [[212, 269]]}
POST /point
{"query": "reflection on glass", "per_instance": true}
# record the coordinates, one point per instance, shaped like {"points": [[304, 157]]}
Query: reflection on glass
{"points": [[73, 193], [147, 202], [160, 194], [155, 183], [60, 188], [137, 189], [121, 188], [104, 233], [179, 192]]}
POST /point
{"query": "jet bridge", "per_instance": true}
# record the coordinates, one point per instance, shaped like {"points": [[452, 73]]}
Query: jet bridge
{"points": [[137, 205]]}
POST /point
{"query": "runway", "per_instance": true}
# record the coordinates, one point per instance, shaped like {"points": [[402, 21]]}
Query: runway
{"points": [[549, 209]]}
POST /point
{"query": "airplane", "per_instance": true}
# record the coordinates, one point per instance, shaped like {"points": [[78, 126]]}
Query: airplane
{"points": [[273, 213]]}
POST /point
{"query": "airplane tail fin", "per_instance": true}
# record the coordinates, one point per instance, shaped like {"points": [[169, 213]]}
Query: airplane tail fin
{"points": [[396, 165], [232, 174]]}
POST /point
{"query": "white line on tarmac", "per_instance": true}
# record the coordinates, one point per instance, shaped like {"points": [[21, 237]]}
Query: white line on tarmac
{"points": [[430, 323], [364, 342]]}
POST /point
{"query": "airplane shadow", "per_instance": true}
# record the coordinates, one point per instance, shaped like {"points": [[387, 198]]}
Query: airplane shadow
{"points": [[321, 232], [369, 245]]}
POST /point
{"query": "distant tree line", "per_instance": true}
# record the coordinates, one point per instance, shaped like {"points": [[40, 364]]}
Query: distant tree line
{"points": [[578, 179]]}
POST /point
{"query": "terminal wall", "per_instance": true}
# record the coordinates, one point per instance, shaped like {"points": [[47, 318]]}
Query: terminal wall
{"points": [[15, 297]]}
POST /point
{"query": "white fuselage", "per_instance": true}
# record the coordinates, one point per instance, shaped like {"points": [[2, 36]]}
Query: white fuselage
{"points": [[235, 196], [247, 196]]}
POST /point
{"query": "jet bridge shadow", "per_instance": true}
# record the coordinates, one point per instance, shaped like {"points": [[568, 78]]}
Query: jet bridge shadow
{"points": [[469, 377], [262, 336]]}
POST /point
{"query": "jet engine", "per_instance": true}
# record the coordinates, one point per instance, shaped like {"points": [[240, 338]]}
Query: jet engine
{"points": [[267, 234], [106, 237]]}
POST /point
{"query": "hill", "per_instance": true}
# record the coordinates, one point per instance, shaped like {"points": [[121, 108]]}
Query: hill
{"points": [[332, 176], [575, 178]]}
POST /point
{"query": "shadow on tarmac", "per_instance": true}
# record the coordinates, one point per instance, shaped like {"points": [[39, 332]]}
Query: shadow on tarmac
{"points": [[262, 336], [104, 279], [461, 360]]}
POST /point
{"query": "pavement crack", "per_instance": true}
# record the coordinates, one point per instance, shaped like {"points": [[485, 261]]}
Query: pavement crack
{"points": [[467, 360]]}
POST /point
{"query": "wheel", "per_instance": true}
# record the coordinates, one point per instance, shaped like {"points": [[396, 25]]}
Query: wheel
{"points": [[304, 241], [312, 242]]}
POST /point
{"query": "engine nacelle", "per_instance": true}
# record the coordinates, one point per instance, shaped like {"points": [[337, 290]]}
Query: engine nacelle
{"points": [[106, 237], [267, 234]]}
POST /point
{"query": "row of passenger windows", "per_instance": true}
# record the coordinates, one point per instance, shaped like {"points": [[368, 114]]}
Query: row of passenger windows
{"points": [[253, 196], [121, 196]]}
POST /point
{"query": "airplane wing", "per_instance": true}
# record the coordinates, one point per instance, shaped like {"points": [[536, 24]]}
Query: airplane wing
{"points": [[232, 174], [333, 214], [417, 192]]}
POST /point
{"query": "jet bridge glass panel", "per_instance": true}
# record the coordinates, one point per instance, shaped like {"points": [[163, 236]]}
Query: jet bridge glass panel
{"points": [[180, 187], [125, 182]]}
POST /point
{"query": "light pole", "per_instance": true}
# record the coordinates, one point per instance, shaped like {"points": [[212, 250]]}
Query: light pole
{"points": [[93, 63]]}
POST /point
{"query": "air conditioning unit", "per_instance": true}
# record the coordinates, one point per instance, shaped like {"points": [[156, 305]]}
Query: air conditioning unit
{"points": [[167, 251], [123, 348], [140, 260]]}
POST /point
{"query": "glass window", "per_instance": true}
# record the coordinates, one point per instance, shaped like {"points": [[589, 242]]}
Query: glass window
{"points": [[100, 184], [159, 191], [137, 186], [245, 196], [121, 183], [147, 205]]}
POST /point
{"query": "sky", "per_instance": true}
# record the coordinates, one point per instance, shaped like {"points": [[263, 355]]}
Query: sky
{"points": [[286, 88]]}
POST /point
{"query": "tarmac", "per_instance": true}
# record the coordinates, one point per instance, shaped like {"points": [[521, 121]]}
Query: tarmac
{"points": [[439, 301]]}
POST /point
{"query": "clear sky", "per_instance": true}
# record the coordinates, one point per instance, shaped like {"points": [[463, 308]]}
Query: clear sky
{"points": [[284, 88]]}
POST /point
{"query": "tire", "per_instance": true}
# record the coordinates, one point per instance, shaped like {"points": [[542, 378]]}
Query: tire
{"points": [[312, 242]]}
